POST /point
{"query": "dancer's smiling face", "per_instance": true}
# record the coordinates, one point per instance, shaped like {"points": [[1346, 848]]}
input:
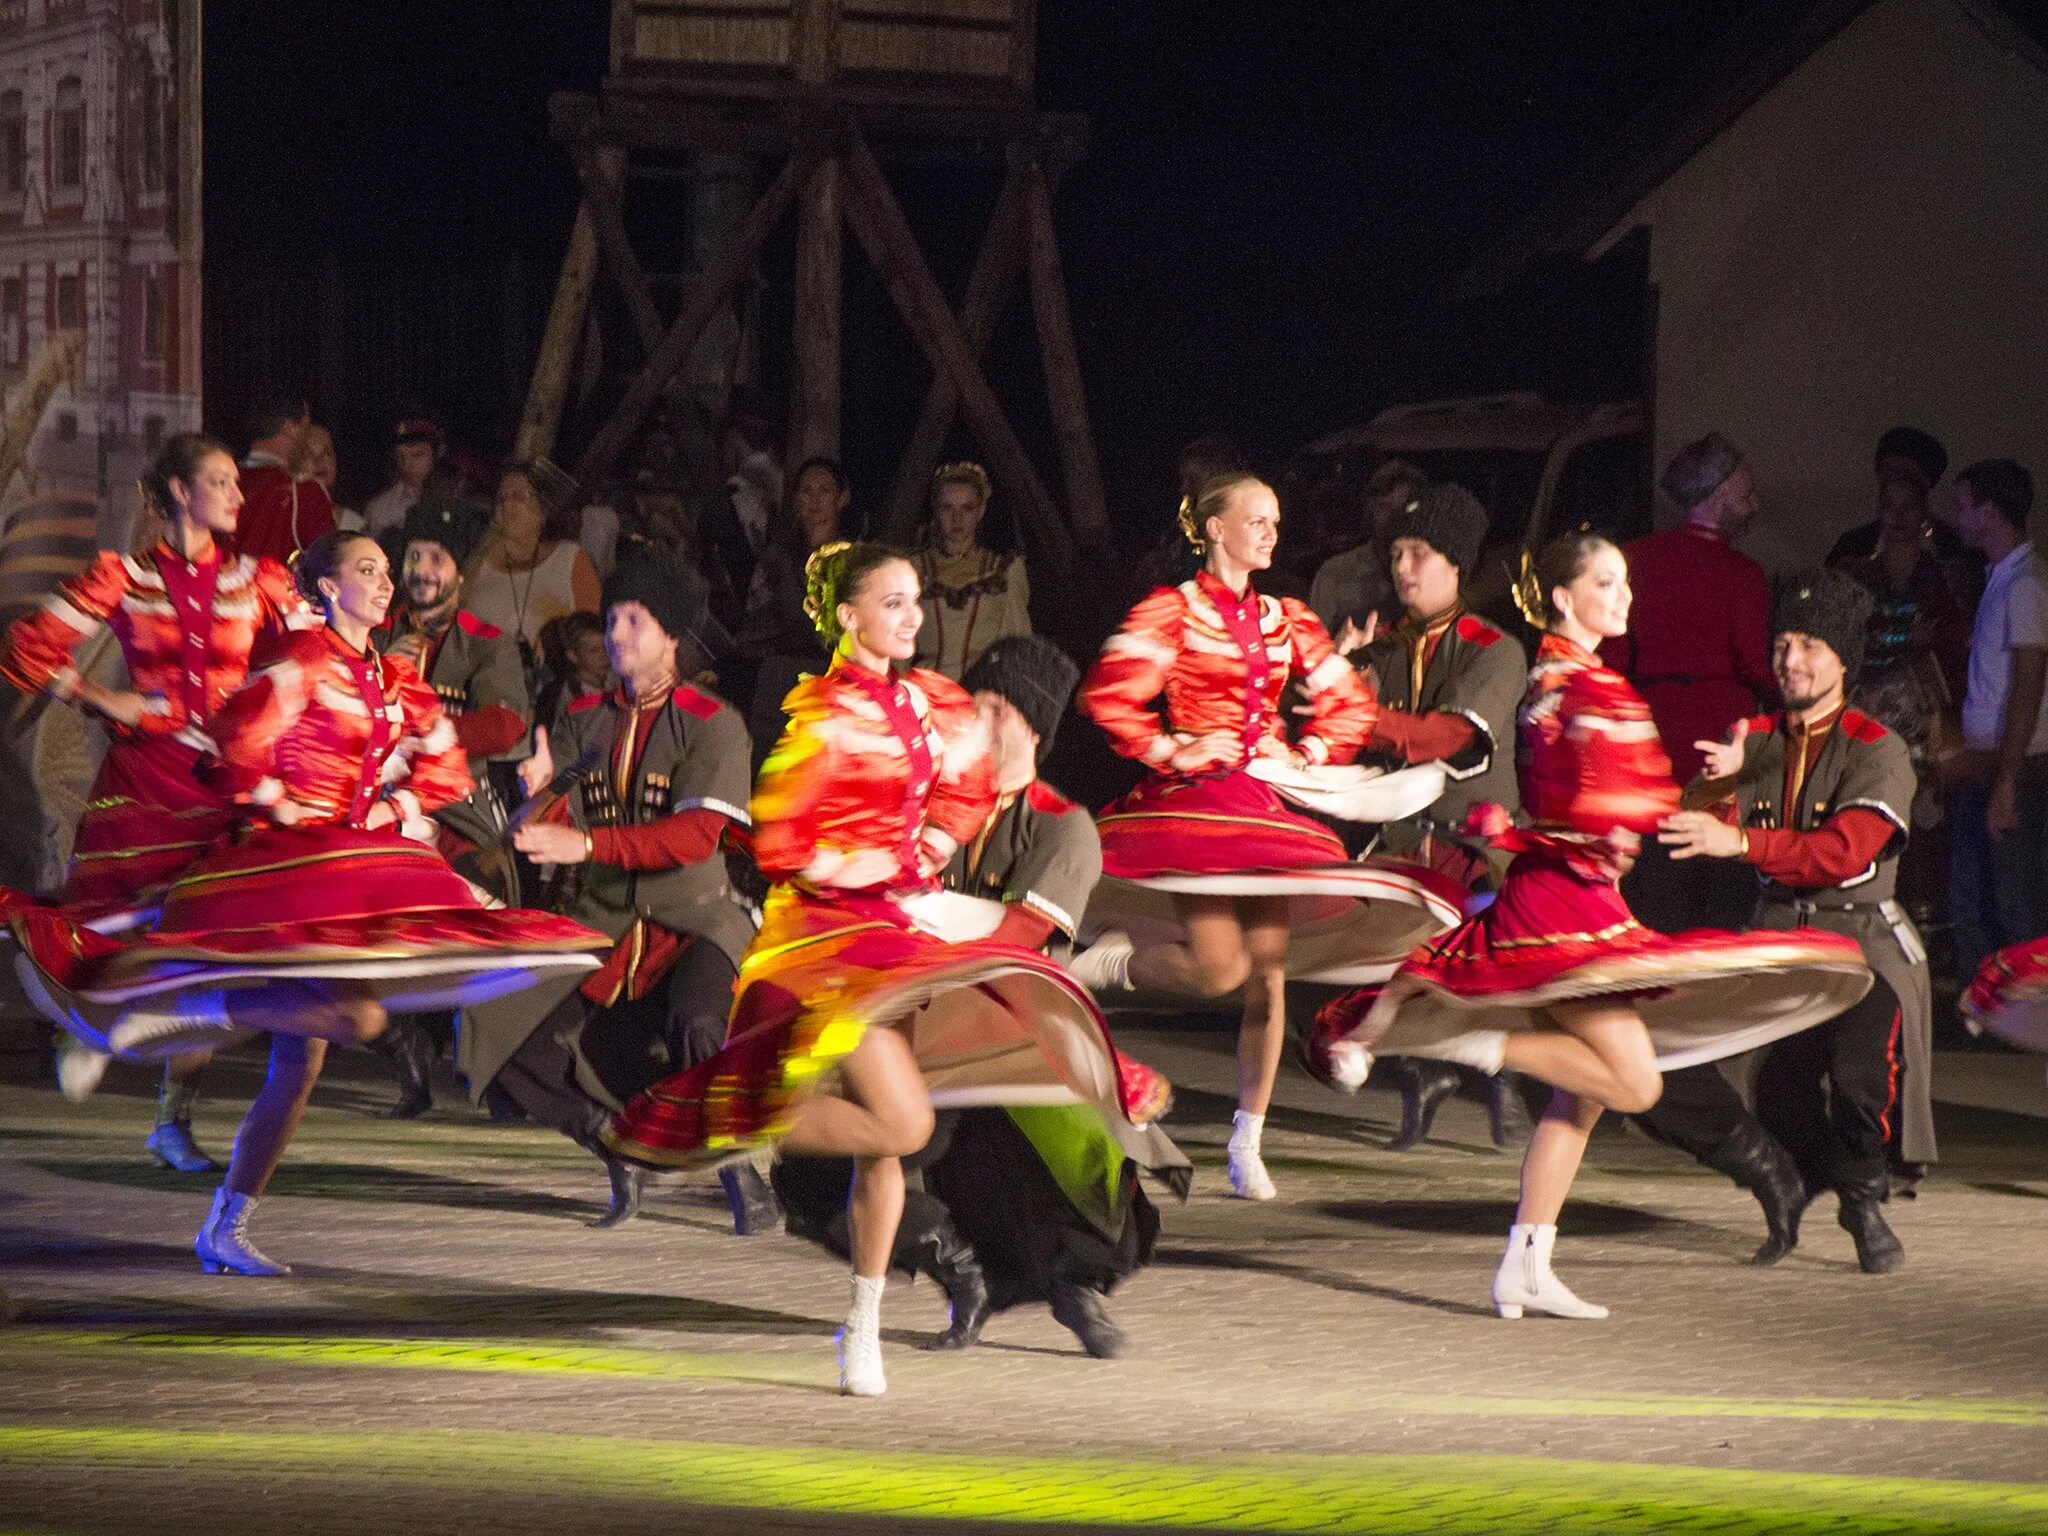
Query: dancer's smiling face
{"points": [[882, 616], [360, 588], [1247, 528], [1598, 597]]}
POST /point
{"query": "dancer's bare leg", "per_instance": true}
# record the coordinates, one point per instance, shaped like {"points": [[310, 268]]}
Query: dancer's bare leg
{"points": [[883, 1117], [274, 1114], [1601, 1057], [1210, 961], [182, 1073], [345, 1013], [1263, 1033]]}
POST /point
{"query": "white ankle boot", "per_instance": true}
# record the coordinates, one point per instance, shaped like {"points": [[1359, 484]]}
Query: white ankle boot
{"points": [[224, 1242], [860, 1342], [1105, 965], [197, 1021], [1524, 1279], [1248, 1177]]}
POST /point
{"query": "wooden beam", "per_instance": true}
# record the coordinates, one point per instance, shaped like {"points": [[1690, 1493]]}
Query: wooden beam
{"points": [[995, 268], [736, 254], [1087, 508], [820, 237], [602, 170], [884, 233], [542, 418]]}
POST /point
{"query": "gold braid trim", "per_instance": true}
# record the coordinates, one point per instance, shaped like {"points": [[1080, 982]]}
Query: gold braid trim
{"points": [[1189, 531]]}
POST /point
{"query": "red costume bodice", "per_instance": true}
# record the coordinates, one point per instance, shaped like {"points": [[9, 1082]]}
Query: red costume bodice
{"points": [[186, 629], [1588, 756], [1223, 662], [874, 781], [332, 731]]}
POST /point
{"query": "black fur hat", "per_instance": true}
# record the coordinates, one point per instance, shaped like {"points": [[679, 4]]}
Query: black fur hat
{"points": [[1446, 517], [449, 521], [1827, 605], [1033, 674], [673, 591]]}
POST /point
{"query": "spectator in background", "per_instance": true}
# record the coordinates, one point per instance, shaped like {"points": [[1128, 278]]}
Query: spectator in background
{"points": [[576, 664], [777, 635], [972, 596], [1903, 452], [316, 462], [416, 448], [1698, 650], [281, 514], [1354, 584], [530, 569], [1999, 812]]}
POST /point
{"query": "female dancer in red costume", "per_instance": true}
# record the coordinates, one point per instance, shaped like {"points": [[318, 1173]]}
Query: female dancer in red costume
{"points": [[186, 616], [860, 981], [1556, 978], [2009, 996], [1208, 827], [317, 913]]}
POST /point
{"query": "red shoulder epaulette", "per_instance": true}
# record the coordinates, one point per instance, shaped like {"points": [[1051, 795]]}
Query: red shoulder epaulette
{"points": [[586, 703], [1763, 725], [1477, 630], [1041, 796], [470, 624], [689, 700], [1858, 726]]}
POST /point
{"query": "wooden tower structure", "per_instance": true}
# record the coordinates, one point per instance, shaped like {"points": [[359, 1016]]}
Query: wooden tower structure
{"points": [[829, 92]]}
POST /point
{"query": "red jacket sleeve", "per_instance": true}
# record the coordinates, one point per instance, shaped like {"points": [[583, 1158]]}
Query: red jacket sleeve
{"points": [[250, 721], [284, 606], [1341, 700], [964, 791], [688, 837], [1427, 738], [1839, 849], [785, 800], [40, 645], [1023, 927], [488, 731], [1130, 673], [436, 767]]}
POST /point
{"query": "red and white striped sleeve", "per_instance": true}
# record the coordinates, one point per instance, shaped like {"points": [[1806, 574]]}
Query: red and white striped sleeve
{"points": [[1131, 672], [1341, 699]]}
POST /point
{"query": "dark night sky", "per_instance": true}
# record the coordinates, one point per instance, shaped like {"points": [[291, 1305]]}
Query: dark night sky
{"points": [[1271, 192]]}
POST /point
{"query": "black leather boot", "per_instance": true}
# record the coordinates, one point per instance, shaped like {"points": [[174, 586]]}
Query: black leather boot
{"points": [[755, 1210], [410, 1050], [1753, 1158], [627, 1181], [1507, 1112], [1424, 1086], [949, 1258], [1878, 1249], [1079, 1310]]}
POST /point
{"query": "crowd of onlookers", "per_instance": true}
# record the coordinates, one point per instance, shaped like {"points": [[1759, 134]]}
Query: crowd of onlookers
{"points": [[1955, 655]]}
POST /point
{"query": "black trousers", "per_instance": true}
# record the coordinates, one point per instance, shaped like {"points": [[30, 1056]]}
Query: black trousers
{"points": [[1828, 1092], [629, 1046]]}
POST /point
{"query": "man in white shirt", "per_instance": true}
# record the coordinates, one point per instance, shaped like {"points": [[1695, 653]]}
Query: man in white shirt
{"points": [[2000, 816], [416, 447]]}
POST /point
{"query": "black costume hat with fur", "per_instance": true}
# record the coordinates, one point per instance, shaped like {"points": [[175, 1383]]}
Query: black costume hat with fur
{"points": [[1036, 676], [1827, 605], [439, 518], [1446, 517], [674, 592]]}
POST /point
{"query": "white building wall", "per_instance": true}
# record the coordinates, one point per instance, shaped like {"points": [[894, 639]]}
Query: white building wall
{"points": [[1867, 245]]}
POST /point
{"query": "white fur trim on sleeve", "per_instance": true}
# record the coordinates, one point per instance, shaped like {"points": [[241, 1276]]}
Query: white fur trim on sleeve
{"points": [[1326, 672], [1315, 749]]}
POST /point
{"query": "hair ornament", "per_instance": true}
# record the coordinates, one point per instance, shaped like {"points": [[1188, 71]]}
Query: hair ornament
{"points": [[1528, 594], [1189, 531]]}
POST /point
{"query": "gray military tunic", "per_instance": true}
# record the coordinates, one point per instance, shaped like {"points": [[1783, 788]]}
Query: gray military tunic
{"points": [[1861, 766], [1480, 673], [475, 666], [696, 758]]}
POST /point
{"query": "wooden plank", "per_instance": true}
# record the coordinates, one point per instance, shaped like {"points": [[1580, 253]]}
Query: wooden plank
{"points": [[995, 268], [735, 257], [602, 169], [1086, 506], [814, 427], [542, 417], [878, 222]]}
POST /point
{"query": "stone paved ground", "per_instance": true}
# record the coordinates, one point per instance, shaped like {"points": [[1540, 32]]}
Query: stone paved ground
{"points": [[458, 1351]]}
